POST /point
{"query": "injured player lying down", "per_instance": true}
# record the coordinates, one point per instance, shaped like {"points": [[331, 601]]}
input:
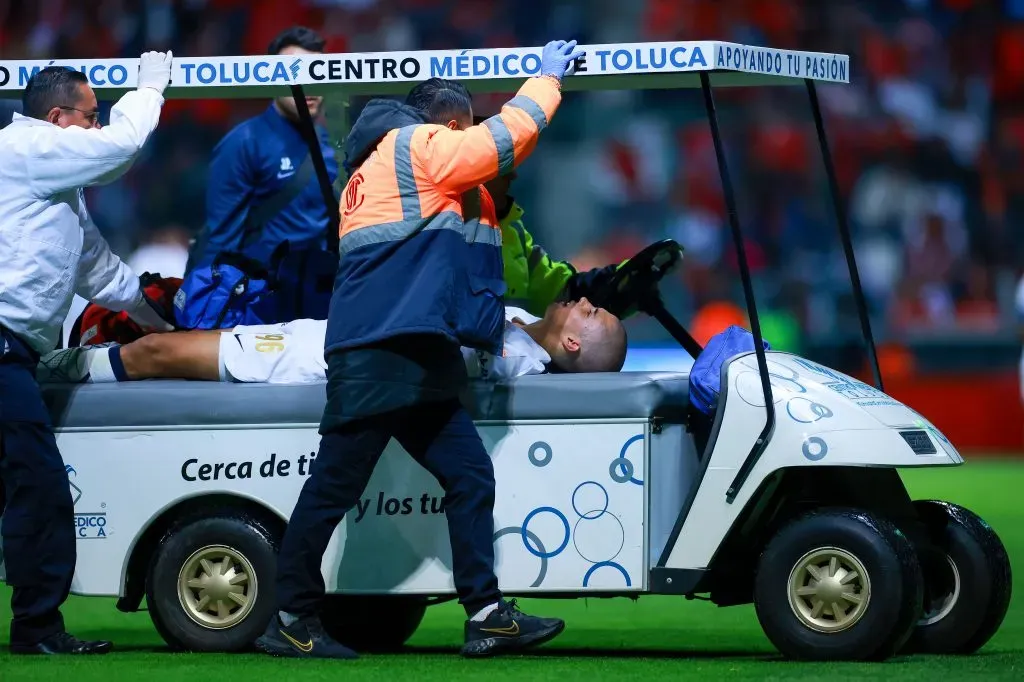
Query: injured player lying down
{"points": [[571, 337]]}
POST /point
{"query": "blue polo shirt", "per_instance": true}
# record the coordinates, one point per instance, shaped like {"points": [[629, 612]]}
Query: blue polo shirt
{"points": [[249, 164]]}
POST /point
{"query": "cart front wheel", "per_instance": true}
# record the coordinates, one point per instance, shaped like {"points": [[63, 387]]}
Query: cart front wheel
{"points": [[968, 582], [838, 584]]}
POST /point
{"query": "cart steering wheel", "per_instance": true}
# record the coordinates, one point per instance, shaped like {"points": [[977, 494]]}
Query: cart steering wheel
{"points": [[632, 284], [634, 287]]}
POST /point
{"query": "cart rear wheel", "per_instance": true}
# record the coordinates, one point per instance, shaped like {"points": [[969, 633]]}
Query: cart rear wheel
{"points": [[967, 584], [377, 623], [211, 585], [838, 584]]}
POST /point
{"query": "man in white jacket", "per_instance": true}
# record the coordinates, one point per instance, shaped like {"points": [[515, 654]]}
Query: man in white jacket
{"points": [[49, 250]]}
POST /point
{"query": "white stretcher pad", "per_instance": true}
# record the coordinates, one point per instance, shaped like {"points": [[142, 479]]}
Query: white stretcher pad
{"points": [[180, 403]]}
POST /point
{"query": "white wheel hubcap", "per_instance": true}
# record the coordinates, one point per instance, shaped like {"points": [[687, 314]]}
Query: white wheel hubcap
{"points": [[217, 587], [829, 589]]}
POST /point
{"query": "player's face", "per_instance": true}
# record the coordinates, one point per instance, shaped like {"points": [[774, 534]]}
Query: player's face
{"points": [[575, 318], [287, 104]]}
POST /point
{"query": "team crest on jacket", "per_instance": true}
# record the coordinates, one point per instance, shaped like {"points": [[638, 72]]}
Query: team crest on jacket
{"points": [[353, 197]]}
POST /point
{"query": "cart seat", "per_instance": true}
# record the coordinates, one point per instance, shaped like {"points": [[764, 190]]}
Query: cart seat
{"points": [[172, 402]]}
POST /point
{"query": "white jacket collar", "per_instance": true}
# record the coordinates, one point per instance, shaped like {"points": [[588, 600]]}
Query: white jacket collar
{"points": [[27, 120]]}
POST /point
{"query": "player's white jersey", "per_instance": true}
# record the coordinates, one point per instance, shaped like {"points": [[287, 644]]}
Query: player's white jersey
{"points": [[293, 353], [521, 354]]}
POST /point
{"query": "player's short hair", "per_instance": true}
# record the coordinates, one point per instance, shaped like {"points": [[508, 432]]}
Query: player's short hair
{"points": [[54, 86], [441, 100], [602, 349], [603, 352], [297, 36]]}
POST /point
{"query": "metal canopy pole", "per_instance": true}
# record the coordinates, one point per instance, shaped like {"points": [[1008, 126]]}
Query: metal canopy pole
{"points": [[313, 142], [748, 291], [844, 233]]}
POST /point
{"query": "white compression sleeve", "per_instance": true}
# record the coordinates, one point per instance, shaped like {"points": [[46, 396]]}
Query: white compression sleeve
{"points": [[99, 366]]}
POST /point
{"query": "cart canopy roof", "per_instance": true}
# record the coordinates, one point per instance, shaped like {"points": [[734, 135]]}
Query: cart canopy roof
{"points": [[619, 66]]}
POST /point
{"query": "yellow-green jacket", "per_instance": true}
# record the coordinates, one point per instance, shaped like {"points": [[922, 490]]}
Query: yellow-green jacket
{"points": [[532, 278]]}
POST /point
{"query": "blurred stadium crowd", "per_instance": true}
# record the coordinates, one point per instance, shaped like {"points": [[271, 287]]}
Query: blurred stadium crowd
{"points": [[927, 142]]}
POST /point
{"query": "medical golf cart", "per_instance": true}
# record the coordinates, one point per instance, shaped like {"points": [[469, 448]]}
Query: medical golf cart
{"points": [[608, 485]]}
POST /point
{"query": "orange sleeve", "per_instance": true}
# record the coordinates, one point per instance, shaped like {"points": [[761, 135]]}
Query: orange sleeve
{"points": [[457, 160]]}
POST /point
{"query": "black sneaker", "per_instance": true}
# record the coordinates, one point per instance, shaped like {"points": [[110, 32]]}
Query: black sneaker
{"points": [[508, 629], [62, 643], [305, 638]]}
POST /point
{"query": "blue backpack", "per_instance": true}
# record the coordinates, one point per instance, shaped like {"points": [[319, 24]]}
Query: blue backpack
{"points": [[232, 290], [296, 283], [235, 289], [706, 373]]}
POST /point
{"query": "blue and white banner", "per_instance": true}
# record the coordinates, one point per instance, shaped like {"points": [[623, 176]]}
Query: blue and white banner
{"points": [[241, 76]]}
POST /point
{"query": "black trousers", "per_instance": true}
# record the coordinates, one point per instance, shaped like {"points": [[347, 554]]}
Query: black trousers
{"points": [[440, 436], [38, 530]]}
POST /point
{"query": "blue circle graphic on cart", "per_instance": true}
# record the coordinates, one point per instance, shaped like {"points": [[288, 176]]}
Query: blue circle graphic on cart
{"points": [[622, 468], [566, 532], [590, 500], [606, 564]]}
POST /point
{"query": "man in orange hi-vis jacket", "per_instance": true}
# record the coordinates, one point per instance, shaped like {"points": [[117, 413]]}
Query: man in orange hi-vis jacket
{"points": [[420, 275]]}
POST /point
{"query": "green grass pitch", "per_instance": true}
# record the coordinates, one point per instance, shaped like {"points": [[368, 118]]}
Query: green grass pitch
{"points": [[652, 638]]}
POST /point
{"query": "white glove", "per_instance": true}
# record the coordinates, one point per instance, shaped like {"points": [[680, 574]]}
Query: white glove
{"points": [[144, 312], [155, 70]]}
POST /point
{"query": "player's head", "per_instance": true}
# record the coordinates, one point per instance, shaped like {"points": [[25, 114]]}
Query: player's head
{"points": [[498, 187], [61, 96], [444, 102], [581, 337], [297, 40]]}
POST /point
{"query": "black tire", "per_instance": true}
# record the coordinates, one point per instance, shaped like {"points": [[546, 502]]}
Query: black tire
{"points": [[882, 622], [372, 623], [245, 541], [968, 582]]}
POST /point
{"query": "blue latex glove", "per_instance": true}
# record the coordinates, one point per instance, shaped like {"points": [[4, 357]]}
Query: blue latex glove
{"points": [[557, 56]]}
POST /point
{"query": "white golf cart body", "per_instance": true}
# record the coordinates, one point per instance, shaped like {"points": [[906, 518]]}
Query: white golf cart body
{"points": [[592, 470], [606, 483]]}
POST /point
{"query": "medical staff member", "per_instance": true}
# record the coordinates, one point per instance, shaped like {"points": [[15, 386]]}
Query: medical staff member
{"points": [[417, 279], [261, 189], [50, 249]]}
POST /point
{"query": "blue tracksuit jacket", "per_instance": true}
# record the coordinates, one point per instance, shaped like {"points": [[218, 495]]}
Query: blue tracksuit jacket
{"points": [[250, 163]]}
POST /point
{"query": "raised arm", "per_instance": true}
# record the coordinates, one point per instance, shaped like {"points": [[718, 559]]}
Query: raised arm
{"points": [[457, 160], [69, 158]]}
